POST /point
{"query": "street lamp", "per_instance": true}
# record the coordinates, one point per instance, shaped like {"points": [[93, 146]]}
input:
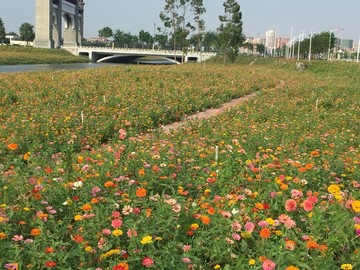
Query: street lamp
{"points": [[358, 50], [330, 35], [311, 35], [298, 57]]}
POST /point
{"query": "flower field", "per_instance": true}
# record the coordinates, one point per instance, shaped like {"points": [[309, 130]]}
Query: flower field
{"points": [[89, 181]]}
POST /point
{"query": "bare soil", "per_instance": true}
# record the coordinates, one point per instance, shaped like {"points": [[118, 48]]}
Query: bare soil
{"points": [[213, 112]]}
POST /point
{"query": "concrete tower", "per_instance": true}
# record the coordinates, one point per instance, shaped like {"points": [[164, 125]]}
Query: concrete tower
{"points": [[58, 22]]}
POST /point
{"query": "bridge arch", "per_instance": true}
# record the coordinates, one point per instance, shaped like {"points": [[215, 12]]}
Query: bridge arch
{"points": [[58, 22]]}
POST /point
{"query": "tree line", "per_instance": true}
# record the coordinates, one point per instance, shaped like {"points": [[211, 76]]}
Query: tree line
{"points": [[184, 29]]}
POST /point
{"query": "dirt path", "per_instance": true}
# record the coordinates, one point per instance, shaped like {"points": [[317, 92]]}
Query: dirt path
{"points": [[213, 112]]}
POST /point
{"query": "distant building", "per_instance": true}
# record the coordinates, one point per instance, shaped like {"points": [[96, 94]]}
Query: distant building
{"points": [[270, 39], [346, 44], [97, 39], [281, 42]]}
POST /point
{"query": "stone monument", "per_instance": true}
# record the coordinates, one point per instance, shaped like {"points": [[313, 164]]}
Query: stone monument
{"points": [[58, 23]]}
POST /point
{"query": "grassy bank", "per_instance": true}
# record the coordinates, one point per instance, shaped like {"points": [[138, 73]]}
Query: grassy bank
{"points": [[89, 181], [16, 55]]}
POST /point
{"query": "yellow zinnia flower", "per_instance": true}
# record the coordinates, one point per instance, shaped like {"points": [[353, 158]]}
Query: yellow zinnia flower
{"points": [[117, 232], [334, 189], [356, 206], [146, 240], [346, 266]]}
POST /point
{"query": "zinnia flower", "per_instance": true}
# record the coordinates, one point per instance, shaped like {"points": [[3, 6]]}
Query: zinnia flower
{"points": [[13, 146], [268, 265], [35, 232], [346, 266], [146, 240], [290, 205], [50, 264], [121, 266], [141, 192], [265, 233], [117, 232], [147, 262], [356, 206]]}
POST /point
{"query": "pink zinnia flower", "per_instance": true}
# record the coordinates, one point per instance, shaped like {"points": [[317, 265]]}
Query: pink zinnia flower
{"points": [[186, 260], [176, 208], [17, 238], [116, 214], [236, 236], [268, 265], [147, 262], [296, 193], [289, 224], [290, 205], [236, 226], [249, 226], [122, 134], [186, 248], [116, 223], [308, 205], [226, 214], [94, 191], [131, 233]]}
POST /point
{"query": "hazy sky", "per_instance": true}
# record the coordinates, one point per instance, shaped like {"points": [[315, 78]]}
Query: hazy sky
{"points": [[258, 16]]}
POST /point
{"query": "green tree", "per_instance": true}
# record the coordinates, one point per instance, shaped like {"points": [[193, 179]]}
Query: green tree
{"points": [[126, 40], [249, 46], [145, 38], [210, 41], [105, 32], [198, 9], [321, 45], [27, 32], [162, 39], [260, 48], [230, 31], [2, 31]]}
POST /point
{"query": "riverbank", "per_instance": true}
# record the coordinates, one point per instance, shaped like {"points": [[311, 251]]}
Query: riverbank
{"points": [[16, 55]]}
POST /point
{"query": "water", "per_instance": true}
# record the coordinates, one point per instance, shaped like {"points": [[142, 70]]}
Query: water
{"points": [[41, 67]]}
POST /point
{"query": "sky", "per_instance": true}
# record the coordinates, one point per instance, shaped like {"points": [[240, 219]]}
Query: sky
{"points": [[259, 16]]}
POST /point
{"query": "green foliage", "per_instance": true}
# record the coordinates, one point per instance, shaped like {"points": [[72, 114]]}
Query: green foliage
{"points": [[321, 45], [14, 55], [125, 39], [175, 16], [106, 32], [2, 31], [230, 31], [145, 38], [27, 32]]}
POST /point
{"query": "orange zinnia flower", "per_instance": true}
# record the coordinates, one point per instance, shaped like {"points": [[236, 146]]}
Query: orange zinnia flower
{"points": [[87, 207], [35, 232], [109, 184], [77, 238], [311, 244], [141, 192], [205, 219], [13, 146], [265, 233], [141, 172]]}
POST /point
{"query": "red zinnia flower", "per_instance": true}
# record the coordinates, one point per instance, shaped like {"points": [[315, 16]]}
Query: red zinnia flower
{"points": [[121, 266], [50, 264]]}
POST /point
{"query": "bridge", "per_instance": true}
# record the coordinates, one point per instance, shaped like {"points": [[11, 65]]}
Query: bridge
{"points": [[112, 54]]}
